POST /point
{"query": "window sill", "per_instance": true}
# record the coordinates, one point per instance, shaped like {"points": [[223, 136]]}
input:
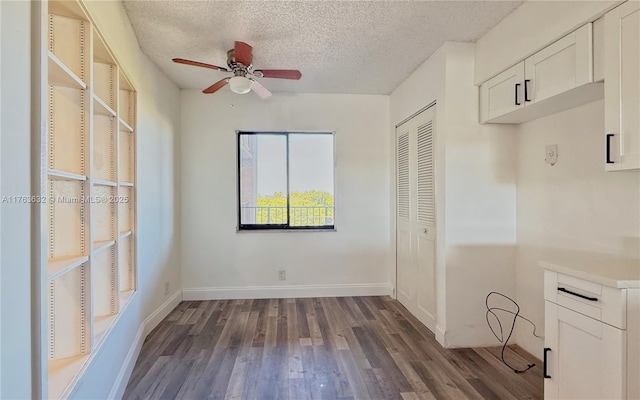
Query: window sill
{"points": [[283, 230]]}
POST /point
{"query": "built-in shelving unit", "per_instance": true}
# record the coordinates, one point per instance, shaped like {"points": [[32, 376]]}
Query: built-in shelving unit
{"points": [[91, 175]]}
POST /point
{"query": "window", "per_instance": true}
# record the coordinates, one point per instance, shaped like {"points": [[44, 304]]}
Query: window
{"points": [[285, 180]]}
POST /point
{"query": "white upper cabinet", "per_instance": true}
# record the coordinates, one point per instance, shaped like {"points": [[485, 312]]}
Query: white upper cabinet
{"points": [[559, 67], [553, 79], [622, 87], [502, 94]]}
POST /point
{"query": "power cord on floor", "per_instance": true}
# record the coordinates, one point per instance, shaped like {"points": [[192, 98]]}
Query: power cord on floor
{"points": [[501, 339]]}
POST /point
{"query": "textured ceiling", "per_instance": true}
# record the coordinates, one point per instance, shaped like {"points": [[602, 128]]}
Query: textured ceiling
{"points": [[340, 46]]}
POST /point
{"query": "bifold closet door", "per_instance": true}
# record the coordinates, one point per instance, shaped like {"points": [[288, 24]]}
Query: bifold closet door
{"points": [[415, 220]]}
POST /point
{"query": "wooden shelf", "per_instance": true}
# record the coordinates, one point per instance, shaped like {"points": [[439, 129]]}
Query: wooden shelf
{"points": [[102, 182], [124, 126], [101, 326], [56, 175], [125, 234], [124, 296], [63, 373], [126, 184], [101, 53], [61, 75], [102, 108], [67, 8], [101, 245], [123, 82], [59, 266]]}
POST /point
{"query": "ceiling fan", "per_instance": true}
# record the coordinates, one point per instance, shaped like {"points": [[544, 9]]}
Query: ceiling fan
{"points": [[239, 61]]}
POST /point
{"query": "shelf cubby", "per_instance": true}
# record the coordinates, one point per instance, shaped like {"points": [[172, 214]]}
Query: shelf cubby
{"points": [[103, 213], [67, 126], [69, 43], [66, 219], [126, 107], [126, 271], [125, 209], [126, 160], [104, 148], [104, 83], [67, 314], [105, 293]]}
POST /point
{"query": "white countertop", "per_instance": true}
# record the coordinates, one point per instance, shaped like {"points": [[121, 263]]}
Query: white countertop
{"points": [[608, 270]]}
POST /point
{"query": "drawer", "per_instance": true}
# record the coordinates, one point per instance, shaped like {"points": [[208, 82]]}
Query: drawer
{"points": [[597, 301]]}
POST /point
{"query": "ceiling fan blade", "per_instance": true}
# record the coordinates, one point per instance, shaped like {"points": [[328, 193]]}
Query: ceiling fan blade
{"points": [[198, 64], [260, 90], [280, 73], [243, 53], [216, 86]]}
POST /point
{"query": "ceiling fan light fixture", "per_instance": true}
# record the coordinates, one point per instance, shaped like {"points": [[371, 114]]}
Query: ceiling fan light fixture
{"points": [[240, 84]]}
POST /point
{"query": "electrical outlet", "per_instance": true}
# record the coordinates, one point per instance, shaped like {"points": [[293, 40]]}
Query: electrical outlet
{"points": [[166, 288], [282, 275]]}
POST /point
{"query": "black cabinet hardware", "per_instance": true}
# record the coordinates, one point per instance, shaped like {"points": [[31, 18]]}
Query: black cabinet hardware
{"points": [[526, 90], [609, 136], [561, 289], [544, 364], [517, 87]]}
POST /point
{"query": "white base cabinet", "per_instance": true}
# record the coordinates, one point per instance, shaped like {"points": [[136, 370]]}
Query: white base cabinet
{"points": [[585, 358], [591, 335]]}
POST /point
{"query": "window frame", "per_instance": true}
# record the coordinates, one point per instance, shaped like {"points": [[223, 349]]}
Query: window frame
{"points": [[281, 227]]}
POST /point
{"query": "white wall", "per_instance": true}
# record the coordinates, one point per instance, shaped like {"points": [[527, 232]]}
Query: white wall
{"points": [[15, 262], [219, 262], [572, 205], [475, 169], [158, 195]]}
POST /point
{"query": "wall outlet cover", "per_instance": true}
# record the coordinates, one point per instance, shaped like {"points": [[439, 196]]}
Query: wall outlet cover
{"points": [[551, 154]]}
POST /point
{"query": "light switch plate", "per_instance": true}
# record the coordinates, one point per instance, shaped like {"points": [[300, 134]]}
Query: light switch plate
{"points": [[551, 154]]}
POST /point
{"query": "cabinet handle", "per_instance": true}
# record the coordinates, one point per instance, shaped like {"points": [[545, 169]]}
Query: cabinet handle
{"points": [[517, 86], [526, 90], [609, 136], [561, 289], [544, 363]]}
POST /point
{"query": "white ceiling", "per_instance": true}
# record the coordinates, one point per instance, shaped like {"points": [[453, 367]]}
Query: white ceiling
{"points": [[340, 46]]}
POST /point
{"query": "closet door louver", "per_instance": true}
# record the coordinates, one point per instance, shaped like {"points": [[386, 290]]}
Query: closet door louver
{"points": [[426, 200], [404, 188]]}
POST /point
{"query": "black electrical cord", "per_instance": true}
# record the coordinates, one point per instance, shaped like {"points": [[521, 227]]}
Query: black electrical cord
{"points": [[516, 315]]}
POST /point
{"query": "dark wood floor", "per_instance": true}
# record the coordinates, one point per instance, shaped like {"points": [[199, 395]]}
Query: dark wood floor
{"points": [[328, 348]]}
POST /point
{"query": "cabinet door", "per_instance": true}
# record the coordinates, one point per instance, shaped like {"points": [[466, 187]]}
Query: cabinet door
{"points": [[587, 358], [502, 94], [622, 86], [559, 67]]}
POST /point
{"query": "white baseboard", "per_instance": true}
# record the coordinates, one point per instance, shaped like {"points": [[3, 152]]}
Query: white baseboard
{"points": [[440, 335], [120, 384], [161, 312], [271, 292]]}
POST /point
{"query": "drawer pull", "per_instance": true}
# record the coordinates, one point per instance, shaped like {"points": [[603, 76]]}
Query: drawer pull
{"points": [[544, 364], [561, 289]]}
